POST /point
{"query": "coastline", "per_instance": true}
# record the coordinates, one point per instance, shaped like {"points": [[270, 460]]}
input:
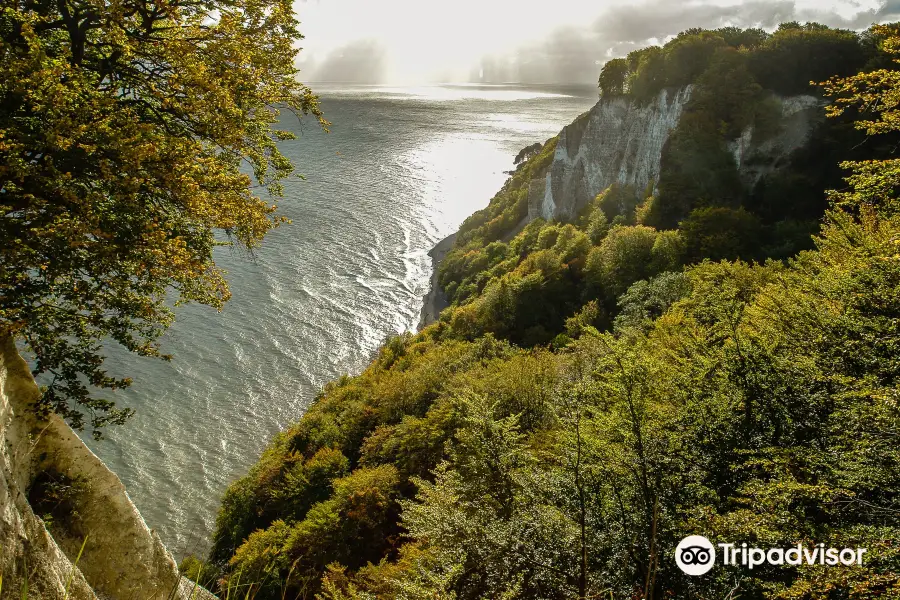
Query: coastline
{"points": [[435, 300]]}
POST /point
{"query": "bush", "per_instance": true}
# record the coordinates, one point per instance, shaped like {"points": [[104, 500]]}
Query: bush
{"points": [[624, 256], [647, 300], [721, 233], [355, 526], [203, 574], [795, 55]]}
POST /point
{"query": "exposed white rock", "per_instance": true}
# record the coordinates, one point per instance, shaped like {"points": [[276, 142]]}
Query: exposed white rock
{"points": [[791, 105], [617, 141], [741, 145], [123, 559], [621, 141], [756, 158]]}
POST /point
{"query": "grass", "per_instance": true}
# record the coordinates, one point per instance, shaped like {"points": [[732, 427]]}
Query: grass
{"points": [[75, 566]]}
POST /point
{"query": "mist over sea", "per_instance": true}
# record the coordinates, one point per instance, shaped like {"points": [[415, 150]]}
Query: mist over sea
{"points": [[400, 170]]}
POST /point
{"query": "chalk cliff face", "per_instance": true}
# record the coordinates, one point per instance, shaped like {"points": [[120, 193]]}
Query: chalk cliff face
{"points": [[620, 141], [617, 141], [122, 558], [757, 156]]}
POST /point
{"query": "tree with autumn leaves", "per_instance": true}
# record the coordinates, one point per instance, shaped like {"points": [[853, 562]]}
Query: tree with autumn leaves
{"points": [[127, 129]]}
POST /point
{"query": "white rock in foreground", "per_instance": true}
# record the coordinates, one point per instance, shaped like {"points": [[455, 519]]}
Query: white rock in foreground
{"points": [[122, 559]]}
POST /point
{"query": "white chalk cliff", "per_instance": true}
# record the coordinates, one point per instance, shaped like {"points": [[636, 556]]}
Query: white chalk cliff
{"points": [[122, 558], [622, 141]]}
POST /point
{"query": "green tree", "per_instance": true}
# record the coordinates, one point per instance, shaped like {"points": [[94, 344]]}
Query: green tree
{"points": [[689, 56], [613, 77], [585, 320], [486, 520], [668, 251], [727, 93], [572, 244], [597, 226], [527, 152], [736, 37], [354, 526], [721, 233], [696, 170], [648, 76], [123, 129], [648, 299], [797, 54], [623, 257], [617, 200]]}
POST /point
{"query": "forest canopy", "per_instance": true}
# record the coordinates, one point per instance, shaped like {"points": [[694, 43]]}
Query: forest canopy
{"points": [[785, 61], [601, 388]]}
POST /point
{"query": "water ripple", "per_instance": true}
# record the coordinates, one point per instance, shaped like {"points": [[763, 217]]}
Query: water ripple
{"points": [[400, 170]]}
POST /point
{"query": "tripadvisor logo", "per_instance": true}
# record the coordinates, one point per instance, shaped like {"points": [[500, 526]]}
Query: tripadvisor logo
{"points": [[695, 555]]}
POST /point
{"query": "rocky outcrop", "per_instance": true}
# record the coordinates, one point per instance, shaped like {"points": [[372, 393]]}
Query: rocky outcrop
{"points": [[621, 141], [100, 548], [756, 156], [436, 300], [618, 140]]}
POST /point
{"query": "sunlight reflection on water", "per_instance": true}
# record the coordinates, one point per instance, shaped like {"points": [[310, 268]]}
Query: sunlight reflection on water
{"points": [[401, 169]]}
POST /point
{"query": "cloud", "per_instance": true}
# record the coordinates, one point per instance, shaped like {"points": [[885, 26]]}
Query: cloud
{"points": [[529, 41], [642, 22], [574, 55], [889, 12], [362, 61]]}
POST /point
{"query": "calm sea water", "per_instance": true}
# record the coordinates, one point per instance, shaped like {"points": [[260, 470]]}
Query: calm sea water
{"points": [[400, 170]]}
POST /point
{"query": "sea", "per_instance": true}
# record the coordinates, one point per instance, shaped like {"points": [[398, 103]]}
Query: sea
{"points": [[399, 169]]}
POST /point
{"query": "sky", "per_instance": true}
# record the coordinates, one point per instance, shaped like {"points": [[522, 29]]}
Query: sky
{"points": [[525, 41]]}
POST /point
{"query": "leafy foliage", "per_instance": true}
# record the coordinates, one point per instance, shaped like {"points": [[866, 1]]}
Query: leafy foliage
{"points": [[784, 61], [122, 131], [527, 152], [640, 401], [721, 233], [797, 54], [510, 205], [612, 77]]}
